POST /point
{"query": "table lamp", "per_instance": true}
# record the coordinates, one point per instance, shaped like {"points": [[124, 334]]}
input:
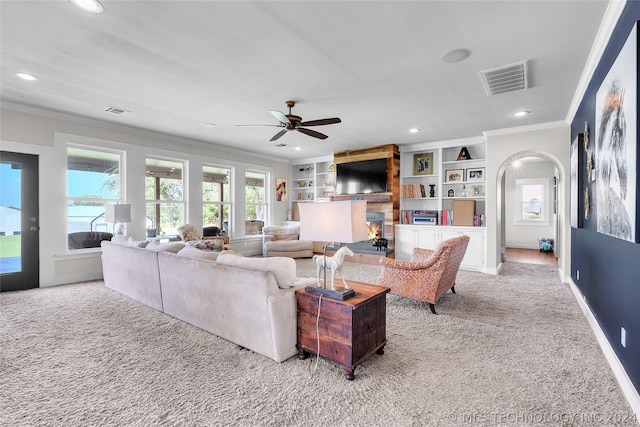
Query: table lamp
{"points": [[342, 222], [118, 214]]}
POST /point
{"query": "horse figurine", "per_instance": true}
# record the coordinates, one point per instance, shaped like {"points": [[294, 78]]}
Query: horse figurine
{"points": [[333, 262]]}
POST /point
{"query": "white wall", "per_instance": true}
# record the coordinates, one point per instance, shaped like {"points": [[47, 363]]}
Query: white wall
{"points": [[45, 136], [526, 236], [550, 141]]}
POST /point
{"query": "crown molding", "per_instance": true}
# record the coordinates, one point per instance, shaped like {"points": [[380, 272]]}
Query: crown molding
{"points": [[29, 109], [607, 26], [528, 128]]}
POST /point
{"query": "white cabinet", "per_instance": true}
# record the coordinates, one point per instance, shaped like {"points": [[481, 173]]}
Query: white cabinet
{"points": [[474, 257], [428, 237]]}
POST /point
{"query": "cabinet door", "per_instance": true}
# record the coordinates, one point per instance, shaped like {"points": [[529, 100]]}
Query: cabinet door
{"points": [[405, 241], [474, 257], [427, 238]]}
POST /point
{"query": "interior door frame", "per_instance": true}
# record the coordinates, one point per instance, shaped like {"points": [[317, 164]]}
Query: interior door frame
{"points": [[29, 275]]}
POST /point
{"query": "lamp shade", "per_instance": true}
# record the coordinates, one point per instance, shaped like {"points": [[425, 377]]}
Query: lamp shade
{"points": [[117, 213], [342, 221]]}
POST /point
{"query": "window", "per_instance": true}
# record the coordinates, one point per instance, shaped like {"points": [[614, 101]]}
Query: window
{"points": [[216, 197], [93, 180], [256, 206], [164, 195], [532, 201]]}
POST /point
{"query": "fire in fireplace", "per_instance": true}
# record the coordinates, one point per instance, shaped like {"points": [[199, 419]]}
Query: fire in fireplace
{"points": [[375, 225]]}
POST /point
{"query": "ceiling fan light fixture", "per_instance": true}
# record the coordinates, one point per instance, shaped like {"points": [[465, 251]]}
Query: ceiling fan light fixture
{"points": [[92, 6], [455, 55]]}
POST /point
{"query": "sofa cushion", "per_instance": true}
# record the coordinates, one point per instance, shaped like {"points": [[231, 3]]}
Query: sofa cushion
{"points": [[191, 252], [283, 268], [173, 247], [282, 232]]}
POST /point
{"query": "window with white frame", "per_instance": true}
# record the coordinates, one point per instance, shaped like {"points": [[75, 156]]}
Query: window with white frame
{"points": [[216, 197], [532, 201], [164, 194], [256, 206], [94, 179]]}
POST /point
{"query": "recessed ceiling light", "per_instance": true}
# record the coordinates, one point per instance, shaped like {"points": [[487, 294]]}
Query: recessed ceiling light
{"points": [[298, 148], [26, 76], [455, 55], [92, 6], [521, 113], [209, 125], [414, 130]]}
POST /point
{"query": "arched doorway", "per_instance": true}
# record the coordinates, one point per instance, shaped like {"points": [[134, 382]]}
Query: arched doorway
{"points": [[511, 230]]}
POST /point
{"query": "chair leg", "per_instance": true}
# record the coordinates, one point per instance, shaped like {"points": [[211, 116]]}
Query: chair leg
{"points": [[453, 289], [433, 308]]}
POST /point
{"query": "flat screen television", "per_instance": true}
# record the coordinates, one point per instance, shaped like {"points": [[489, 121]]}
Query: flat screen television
{"points": [[363, 177]]}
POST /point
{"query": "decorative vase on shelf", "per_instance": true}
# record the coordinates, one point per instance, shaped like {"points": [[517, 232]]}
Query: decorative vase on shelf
{"points": [[463, 193], [432, 190]]}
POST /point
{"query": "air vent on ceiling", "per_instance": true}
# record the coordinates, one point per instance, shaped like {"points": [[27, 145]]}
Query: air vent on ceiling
{"points": [[508, 78], [116, 110], [281, 145]]}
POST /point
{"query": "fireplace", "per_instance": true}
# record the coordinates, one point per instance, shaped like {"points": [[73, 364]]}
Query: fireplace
{"points": [[375, 243]]}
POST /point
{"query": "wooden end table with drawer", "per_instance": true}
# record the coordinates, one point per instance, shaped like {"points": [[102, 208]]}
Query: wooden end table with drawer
{"points": [[349, 330]]}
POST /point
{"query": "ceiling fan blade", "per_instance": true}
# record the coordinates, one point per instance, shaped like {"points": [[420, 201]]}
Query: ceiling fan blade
{"points": [[255, 126], [312, 133], [321, 122], [281, 117], [278, 135]]}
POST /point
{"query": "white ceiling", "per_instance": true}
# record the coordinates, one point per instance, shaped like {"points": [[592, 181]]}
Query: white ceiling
{"points": [[375, 64]]}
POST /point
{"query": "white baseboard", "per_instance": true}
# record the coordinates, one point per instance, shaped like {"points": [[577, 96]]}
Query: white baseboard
{"points": [[627, 387]]}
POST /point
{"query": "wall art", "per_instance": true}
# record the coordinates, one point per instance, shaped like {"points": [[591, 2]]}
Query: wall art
{"points": [[423, 164], [281, 190], [616, 145], [577, 150]]}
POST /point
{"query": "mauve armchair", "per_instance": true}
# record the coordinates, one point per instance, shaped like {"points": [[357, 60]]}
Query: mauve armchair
{"points": [[429, 274]]}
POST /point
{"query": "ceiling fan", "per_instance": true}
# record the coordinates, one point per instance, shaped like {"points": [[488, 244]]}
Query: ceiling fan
{"points": [[292, 122]]}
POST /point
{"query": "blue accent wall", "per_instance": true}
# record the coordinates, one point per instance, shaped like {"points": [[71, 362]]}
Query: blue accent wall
{"points": [[609, 267]]}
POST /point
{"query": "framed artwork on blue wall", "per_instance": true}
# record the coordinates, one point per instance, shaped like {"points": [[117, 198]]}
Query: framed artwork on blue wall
{"points": [[616, 145], [577, 150]]}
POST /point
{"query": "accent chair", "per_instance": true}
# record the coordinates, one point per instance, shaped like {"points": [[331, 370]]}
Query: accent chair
{"points": [[189, 234], [428, 275], [284, 241]]}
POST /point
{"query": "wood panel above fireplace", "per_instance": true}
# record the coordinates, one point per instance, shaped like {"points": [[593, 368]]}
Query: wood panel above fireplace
{"points": [[387, 203]]}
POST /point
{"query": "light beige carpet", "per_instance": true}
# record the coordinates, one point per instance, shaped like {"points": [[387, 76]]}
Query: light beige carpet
{"points": [[512, 349]]}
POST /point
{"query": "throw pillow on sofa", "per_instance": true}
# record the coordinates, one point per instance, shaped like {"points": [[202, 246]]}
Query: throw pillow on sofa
{"points": [[191, 252], [207, 245], [283, 268]]}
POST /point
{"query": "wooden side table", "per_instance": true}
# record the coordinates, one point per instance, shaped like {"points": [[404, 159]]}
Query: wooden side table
{"points": [[349, 330]]}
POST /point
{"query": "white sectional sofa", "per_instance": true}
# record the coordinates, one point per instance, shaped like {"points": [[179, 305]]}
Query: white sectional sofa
{"points": [[248, 301]]}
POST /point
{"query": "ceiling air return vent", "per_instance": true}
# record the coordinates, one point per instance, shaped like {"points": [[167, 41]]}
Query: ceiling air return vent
{"points": [[508, 78], [116, 110]]}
